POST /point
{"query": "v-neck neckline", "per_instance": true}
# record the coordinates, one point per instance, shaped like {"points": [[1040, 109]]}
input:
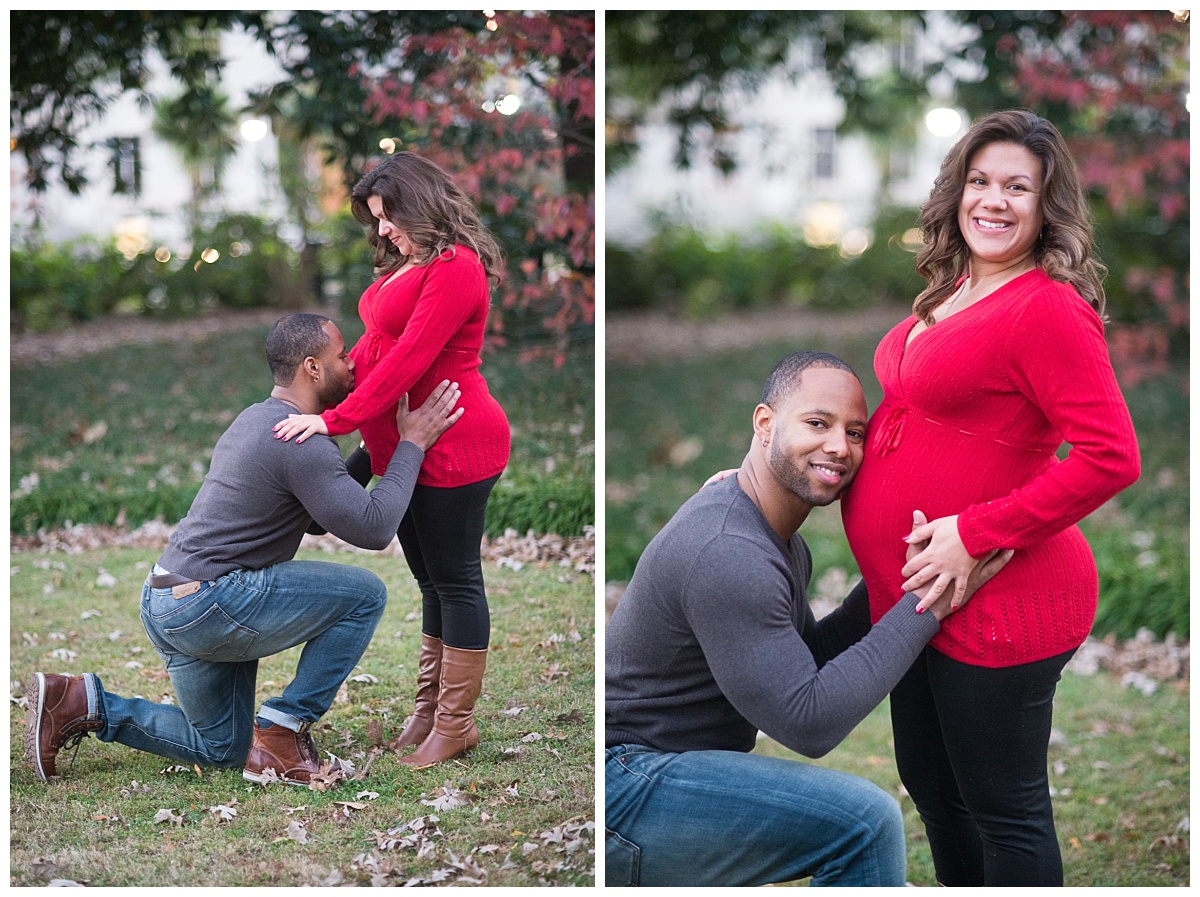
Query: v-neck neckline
{"points": [[396, 275], [910, 338]]}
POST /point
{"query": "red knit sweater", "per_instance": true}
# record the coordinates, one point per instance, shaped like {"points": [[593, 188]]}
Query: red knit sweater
{"points": [[974, 411], [424, 327]]}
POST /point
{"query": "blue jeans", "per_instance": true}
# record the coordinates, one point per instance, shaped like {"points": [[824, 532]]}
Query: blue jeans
{"points": [[728, 818], [211, 642]]}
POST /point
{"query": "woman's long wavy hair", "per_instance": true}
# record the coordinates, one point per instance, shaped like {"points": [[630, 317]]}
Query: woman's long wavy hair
{"points": [[1064, 248], [423, 201]]}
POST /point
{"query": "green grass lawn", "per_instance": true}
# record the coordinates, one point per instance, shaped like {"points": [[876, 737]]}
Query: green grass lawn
{"points": [[518, 810], [125, 435]]}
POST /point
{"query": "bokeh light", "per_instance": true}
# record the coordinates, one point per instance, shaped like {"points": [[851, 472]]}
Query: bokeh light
{"points": [[509, 104], [943, 122], [254, 129]]}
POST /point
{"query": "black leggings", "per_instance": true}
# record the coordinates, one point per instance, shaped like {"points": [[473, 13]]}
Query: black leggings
{"points": [[440, 534], [971, 748]]}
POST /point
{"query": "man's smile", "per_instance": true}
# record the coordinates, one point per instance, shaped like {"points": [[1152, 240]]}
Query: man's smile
{"points": [[831, 472]]}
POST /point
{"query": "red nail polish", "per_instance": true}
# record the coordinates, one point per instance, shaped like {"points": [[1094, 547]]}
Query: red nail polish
{"points": [[920, 610]]}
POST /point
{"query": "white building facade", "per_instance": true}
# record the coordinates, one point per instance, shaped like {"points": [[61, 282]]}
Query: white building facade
{"points": [[793, 170], [137, 186]]}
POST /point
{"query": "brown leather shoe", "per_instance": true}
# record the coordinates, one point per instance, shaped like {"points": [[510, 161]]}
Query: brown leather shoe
{"points": [[429, 671], [454, 730], [291, 756], [56, 714]]}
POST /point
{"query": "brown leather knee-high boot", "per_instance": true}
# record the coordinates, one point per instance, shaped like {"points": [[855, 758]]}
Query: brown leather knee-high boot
{"points": [[454, 731], [429, 671]]}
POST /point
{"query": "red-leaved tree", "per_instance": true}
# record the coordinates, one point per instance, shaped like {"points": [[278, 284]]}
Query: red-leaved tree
{"points": [[1116, 84], [531, 170]]}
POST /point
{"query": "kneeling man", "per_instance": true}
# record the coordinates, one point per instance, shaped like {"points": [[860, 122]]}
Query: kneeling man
{"points": [[227, 591], [714, 641]]}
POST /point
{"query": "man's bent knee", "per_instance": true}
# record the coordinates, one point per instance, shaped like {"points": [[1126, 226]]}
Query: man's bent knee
{"points": [[875, 852], [369, 586], [231, 752]]}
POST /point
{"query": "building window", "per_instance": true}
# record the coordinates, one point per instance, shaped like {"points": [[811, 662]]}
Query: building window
{"points": [[126, 161], [825, 155]]}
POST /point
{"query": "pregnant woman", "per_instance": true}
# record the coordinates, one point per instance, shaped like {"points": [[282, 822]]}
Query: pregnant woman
{"points": [[1002, 362], [425, 319]]}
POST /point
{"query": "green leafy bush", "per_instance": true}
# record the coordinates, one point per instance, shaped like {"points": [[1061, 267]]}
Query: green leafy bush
{"points": [[559, 505], [237, 262], [1144, 583], [683, 270], [54, 285], [78, 503]]}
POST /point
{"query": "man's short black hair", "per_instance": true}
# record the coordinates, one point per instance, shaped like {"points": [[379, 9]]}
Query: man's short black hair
{"points": [[786, 375], [294, 338]]}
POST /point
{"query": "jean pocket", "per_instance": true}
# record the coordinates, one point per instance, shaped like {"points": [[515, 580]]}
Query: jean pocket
{"points": [[163, 606], [621, 860], [214, 635]]}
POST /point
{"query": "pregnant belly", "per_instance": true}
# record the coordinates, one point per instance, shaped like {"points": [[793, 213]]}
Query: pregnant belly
{"points": [[1049, 587]]}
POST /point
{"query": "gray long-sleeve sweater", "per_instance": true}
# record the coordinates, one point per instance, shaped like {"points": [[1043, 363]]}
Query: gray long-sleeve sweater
{"points": [[714, 640], [261, 494]]}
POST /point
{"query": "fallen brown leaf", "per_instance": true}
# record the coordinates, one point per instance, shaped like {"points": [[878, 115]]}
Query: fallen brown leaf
{"points": [[375, 731]]}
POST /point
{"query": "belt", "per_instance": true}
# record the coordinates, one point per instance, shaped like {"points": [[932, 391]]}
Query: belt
{"points": [[168, 581], [180, 586]]}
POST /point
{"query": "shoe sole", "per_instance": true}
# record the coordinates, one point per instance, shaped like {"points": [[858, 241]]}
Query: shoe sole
{"points": [[33, 724]]}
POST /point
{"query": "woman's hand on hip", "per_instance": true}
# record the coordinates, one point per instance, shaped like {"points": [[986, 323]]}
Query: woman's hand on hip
{"points": [[301, 426]]}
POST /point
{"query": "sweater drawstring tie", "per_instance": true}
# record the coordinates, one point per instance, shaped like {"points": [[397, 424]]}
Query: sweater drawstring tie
{"points": [[891, 430], [377, 345]]}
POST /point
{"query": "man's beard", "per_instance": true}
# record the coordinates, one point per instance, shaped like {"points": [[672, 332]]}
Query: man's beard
{"points": [[334, 393], [795, 481]]}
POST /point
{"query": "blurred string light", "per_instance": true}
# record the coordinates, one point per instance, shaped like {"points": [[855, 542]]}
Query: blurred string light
{"points": [[133, 237], [911, 240], [823, 224], [506, 105], [162, 254], [854, 243], [209, 255], [491, 19], [943, 122], [388, 145]]}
